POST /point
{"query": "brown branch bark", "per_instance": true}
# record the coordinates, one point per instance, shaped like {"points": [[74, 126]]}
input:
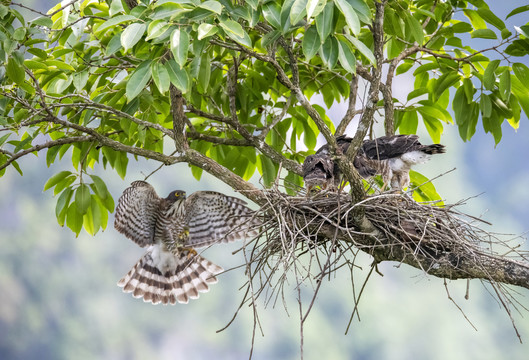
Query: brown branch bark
{"points": [[344, 162], [351, 108], [496, 268], [179, 119], [46, 145]]}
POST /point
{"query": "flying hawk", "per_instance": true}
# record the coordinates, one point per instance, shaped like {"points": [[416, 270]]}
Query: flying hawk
{"points": [[389, 156], [171, 228]]}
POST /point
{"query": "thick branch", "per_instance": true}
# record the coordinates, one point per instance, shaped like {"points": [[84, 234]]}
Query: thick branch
{"points": [[179, 119], [351, 108], [344, 162], [495, 268], [211, 166], [49, 144]]}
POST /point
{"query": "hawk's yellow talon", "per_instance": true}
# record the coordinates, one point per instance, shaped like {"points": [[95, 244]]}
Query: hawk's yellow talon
{"points": [[190, 252]]}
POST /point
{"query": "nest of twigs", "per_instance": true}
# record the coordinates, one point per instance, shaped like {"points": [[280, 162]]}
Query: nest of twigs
{"points": [[312, 237]]}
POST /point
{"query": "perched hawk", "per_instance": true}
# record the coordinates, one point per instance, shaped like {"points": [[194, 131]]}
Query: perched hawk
{"points": [[389, 156], [171, 228]]}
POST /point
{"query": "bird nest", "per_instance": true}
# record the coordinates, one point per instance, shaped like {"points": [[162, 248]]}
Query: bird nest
{"points": [[313, 237]]}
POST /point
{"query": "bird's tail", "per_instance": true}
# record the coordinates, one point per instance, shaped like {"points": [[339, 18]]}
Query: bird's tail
{"points": [[163, 277], [433, 149]]}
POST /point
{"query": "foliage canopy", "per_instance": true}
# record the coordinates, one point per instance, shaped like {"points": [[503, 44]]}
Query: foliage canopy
{"points": [[104, 80]]}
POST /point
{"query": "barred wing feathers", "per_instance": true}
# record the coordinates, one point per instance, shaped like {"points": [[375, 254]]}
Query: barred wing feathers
{"points": [[136, 213], [213, 218]]}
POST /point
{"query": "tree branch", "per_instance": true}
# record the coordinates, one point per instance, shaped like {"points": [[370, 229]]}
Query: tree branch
{"points": [[351, 108], [179, 119], [46, 145]]}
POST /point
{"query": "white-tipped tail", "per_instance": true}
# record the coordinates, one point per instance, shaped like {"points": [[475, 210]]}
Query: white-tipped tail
{"points": [[162, 277]]}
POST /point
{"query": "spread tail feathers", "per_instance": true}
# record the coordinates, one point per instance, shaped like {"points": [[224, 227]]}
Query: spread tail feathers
{"points": [[434, 149], [162, 277]]}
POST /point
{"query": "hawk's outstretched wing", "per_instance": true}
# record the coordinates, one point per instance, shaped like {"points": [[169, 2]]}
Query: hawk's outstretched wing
{"points": [[212, 217], [136, 213]]}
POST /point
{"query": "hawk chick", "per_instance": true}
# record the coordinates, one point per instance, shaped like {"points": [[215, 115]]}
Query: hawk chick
{"points": [[389, 156], [171, 228]]}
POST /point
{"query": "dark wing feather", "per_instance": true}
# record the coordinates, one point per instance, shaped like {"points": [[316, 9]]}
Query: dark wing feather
{"points": [[136, 213], [213, 217], [387, 147]]}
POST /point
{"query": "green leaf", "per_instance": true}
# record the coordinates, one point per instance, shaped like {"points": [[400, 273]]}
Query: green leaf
{"points": [[409, 122], [103, 211], [74, 219], [314, 7], [434, 127], [196, 172], [324, 21], [483, 34], [15, 71], [485, 105], [346, 56], [433, 112], [489, 77], [243, 40], [213, 6], [521, 71], [505, 85], [160, 77], [120, 165], [205, 30], [459, 105], [82, 198], [426, 190], [157, 28], [491, 18], [178, 76], [518, 10], [80, 79], [311, 43], [350, 15], [204, 72], [114, 21], [329, 52], [62, 205], [55, 179], [180, 46], [444, 82], [138, 80], [272, 14], [232, 27], [267, 169], [475, 19], [100, 188], [362, 10], [364, 50], [415, 27], [4, 138], [521, 93], [298, 11], [131, 35], [43, 21]]}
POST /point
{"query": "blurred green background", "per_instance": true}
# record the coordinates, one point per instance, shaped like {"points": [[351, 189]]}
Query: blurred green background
{"points": [[59, 299]]}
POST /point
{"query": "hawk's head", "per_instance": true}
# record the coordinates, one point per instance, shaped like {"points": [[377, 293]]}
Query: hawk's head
{"points": [[176, 195]]}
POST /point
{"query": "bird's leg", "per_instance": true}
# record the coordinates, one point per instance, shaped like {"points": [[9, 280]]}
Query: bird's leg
{"points": [[190, 252], [183, 236]]}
